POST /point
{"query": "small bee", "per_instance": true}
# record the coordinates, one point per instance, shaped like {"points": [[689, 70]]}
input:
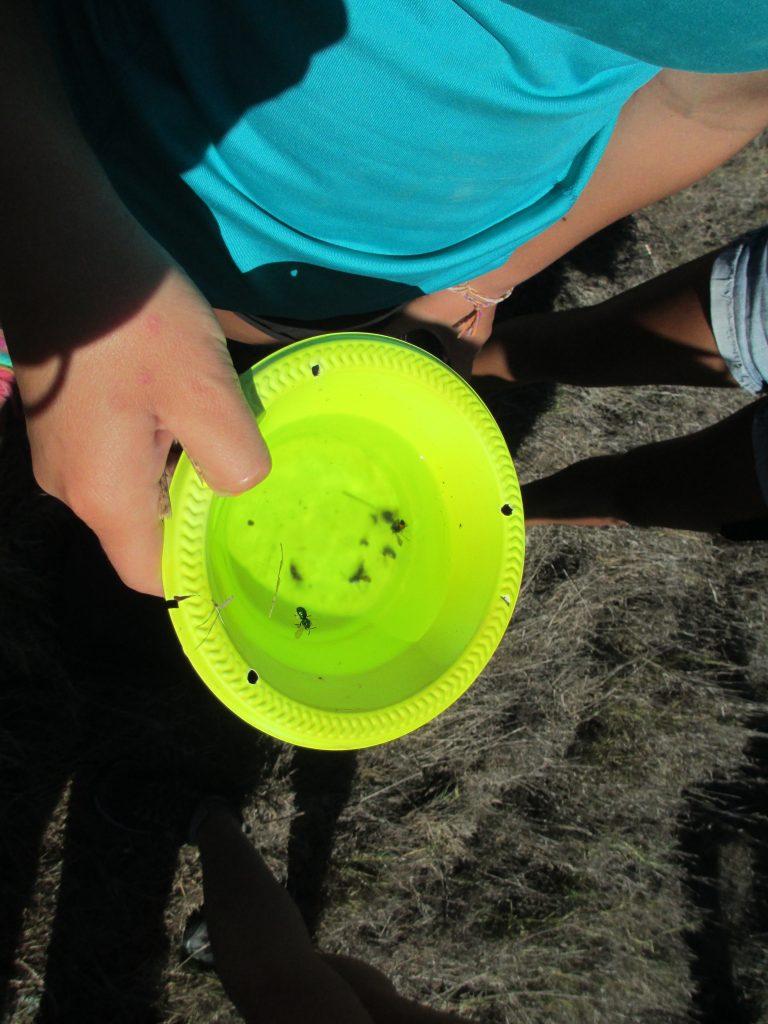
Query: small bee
{"points": [[303, 622], [396, 524]]}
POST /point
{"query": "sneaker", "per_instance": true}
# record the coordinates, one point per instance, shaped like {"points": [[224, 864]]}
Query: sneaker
{"points": [[195, 942]]}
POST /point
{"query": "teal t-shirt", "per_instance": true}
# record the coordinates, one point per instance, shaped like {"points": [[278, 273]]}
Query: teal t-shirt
{"points": [[309, 160]]}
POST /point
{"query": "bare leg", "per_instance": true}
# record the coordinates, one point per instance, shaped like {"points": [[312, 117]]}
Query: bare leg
{"points": [[657, 333], [380, 998], [264, 955], [262, 951], [698, 482]]}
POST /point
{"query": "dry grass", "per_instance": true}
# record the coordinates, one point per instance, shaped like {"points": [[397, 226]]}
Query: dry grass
{"points": [[582, 838]]}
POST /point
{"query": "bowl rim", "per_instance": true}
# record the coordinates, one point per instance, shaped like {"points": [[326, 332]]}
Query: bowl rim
{"points": [[197, 620]]}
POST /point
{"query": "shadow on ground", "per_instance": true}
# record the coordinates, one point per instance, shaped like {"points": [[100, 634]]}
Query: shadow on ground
{"points": [[724, 840], [92, 674]]}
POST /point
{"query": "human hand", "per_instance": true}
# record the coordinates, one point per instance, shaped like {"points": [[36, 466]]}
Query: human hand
{"points": [[103, 411]]}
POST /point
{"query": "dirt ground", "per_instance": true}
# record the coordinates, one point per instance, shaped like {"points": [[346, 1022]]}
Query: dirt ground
{"points": [[581, 838]]}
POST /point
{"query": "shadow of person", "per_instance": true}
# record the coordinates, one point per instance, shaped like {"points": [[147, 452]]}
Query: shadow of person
{"points": [[322, 783], [728, 819], [146, 157], [93, 676], [723, 837]]}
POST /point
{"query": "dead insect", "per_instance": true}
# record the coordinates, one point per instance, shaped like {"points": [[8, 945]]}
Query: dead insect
{"points": [[389, 552], [397, 528], [364, 542], [396, 524], [216, 611], [360, 575], [250, 522], [303, 622], [295, 574]]}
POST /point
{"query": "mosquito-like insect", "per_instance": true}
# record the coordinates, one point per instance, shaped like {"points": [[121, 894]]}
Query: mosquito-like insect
{"points": [[216, 610], [303, 622]]}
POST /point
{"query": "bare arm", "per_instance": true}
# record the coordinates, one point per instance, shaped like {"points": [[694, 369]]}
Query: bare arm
{"points": [[673, 131], [115, 351]]}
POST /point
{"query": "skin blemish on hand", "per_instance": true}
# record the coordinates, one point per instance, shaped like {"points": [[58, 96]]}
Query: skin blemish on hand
{"points": [[153, 323]]}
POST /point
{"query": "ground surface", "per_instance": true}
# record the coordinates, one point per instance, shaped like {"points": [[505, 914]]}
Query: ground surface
{"points": [[582, 838]]}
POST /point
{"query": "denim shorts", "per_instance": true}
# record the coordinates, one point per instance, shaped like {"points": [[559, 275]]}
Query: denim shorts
{"points": [[739, 311]]}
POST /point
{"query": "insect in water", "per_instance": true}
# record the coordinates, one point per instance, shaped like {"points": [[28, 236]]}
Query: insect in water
{"points": [[277, 582], [303, 622], [360, 575], [397, 528], [396, 524], [218, 607], [295, 573]]}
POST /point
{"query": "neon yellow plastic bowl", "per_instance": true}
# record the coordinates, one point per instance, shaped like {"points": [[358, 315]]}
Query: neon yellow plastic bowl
{"points": [[362, 587]]}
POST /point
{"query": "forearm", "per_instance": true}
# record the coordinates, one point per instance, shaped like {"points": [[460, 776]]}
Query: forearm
{"points": [[674, 131]]}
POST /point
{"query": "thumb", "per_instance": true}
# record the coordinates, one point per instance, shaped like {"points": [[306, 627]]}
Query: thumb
{"points": [[214, 423]]}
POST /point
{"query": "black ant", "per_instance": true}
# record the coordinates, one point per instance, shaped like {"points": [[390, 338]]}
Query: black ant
{"points": [[303, 622]]}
